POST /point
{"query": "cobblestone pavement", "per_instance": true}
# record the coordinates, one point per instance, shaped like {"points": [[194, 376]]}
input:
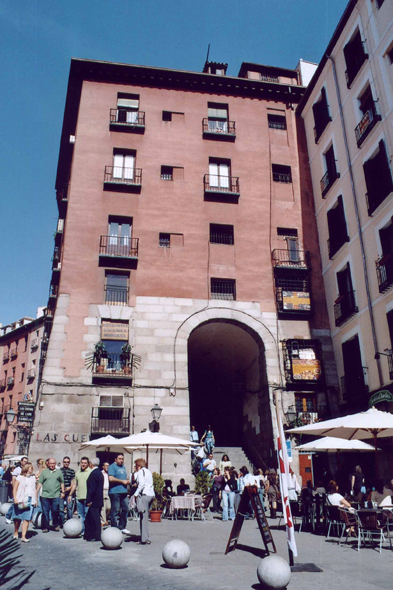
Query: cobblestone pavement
{"points": [[66, 564]]}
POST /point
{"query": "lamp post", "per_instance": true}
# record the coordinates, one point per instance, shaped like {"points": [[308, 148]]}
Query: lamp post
{"points": [[290, 414], [10, 416], [156, 412]]}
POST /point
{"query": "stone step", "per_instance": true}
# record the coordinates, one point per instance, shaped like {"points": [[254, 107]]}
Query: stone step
{"points": [[236, 455]]}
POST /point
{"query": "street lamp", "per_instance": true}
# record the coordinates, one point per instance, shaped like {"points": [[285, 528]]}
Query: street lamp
{"points": [[10, 416], [156, 412], [290, 414]]}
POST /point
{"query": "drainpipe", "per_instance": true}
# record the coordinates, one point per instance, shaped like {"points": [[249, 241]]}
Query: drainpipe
{"points": [[355, 202]]}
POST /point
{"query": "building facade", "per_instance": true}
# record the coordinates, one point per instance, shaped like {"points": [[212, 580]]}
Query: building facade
{"points": [[22, 352], [347, 112], [186, 268]]}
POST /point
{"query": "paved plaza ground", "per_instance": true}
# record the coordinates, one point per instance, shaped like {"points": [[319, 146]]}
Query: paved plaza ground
{"points": [[66, 564]]}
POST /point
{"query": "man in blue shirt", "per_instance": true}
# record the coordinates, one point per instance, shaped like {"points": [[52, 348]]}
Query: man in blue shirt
{"points": [[118, 483]]}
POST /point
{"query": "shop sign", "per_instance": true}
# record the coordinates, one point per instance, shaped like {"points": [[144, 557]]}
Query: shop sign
{"points": [[55, 437], [380, 396], [296, 300], [114, 330], [26, 411]]}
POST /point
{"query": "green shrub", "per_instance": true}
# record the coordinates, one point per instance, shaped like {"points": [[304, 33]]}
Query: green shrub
{"points": [[203, 483]]}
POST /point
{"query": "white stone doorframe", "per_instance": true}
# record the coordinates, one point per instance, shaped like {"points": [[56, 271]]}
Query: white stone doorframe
{"points": [[243, 320]]}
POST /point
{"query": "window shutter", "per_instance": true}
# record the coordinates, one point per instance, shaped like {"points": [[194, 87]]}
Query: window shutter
{"points": [[213, 174], [118, 165], [217, 113], [130, 103], [129, 167]]}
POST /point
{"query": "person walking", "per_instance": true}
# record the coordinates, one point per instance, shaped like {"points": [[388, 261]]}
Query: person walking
{"points": [[107, 503], [14, 473], [209, 440], [67, 507], [227, 494], [118, 483], [25, 498], [144, 497], [195, 439], [80, 485], [94, 502], [51, 484]]}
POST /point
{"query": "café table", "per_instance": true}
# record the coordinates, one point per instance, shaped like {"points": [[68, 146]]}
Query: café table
{"points": [[188, 504]]}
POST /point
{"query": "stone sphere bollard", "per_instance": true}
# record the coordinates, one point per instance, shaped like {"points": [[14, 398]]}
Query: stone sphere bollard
{"points": [[111, 538], [72, 528], [37, 520], [274, 572], [5, 507], [176, 554]]}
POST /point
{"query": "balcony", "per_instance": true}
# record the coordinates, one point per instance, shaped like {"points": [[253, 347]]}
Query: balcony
{"points": [[31, 374], [121, 252], [219, 130], [110, 421], [345, 307], [53, 291], [13, 352], [115, 295], [127, 121], [221, 188], [327, 181], [291, 259], [113, 367], [367, 123], [10, 381], [302, 364], [6, 356], [384, 267], [125, 180], [34, 344], [307, 417]]}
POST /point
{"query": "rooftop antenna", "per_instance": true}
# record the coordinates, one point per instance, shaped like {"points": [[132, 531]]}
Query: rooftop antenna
{"points": [[208, 51]]}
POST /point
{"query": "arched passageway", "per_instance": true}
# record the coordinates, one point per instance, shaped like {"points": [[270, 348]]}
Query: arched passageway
{"points": [[228, 386]]}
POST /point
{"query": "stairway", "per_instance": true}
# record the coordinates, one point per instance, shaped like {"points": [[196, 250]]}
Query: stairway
{"points": [[236, 455]]}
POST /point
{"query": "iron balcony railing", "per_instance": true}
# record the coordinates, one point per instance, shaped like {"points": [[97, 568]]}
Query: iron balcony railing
{"points": [[267, 78], [282, 177], [110, 420], [384, 267], [14, 352], [299, 259], [121, 247], [115, 295], [6, 356], [368, 121], [345, 307], [327, 181], [127, 118], [113, 364], [277, 124], [119, 175], [221, 184], [221, 238], [219, 127], [53, 291], [31, 374]]}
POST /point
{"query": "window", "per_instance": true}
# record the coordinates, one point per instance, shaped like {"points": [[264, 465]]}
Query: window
{"points": [[221, 234], [345, 305], [302, 361], [166, 172], [22, 376], [287, 232], [293, 249], [223, 289], [378, 178], [385, 263], [116, 288], [276, 121], [331, 173], [172, 116], [217, 117], [354, 57], [321, 115], [127, 108], [293, 293], [124, 165], [219, 173], [389, 317], [337, 227], [379, 3], [353, 384], [118, 242], [281, 173], [164, 240], [369, 115]]}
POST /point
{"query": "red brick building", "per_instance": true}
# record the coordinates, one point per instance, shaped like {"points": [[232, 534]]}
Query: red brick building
{"points": [[187, 269]]}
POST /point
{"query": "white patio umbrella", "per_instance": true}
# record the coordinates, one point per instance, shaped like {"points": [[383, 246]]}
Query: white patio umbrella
{"points": [[105, 443], [156, 441], [365, 425], [331, 444]]}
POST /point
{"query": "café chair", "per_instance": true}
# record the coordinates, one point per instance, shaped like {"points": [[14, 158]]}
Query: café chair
{"points": [[334, 520], [370, 529], [349, 520]]}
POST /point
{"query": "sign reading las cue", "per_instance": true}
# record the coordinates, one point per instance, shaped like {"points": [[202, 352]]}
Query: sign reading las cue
{"points": [[55, 437]]}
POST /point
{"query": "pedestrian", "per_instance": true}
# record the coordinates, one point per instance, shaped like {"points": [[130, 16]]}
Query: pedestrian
{"points": [[118, 483], [209, 465], [2, 470], [94, 502], [14, 474], [144, 496], [51, 484], [293, 486], [216, 488], [80, 485], [25, 498], [227, 494], [225, 462], [195, 439], [209, 440], [246, 480], [107, 503], [273, 492], [67, 506], [357, 484]]}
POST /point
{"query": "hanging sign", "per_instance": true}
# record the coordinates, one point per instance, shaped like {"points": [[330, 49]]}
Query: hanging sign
{"points": [[380, 396], [26, 411]]}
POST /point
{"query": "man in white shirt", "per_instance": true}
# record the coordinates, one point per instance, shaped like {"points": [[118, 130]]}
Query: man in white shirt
{"points": [[209, 464], [144, 497]]}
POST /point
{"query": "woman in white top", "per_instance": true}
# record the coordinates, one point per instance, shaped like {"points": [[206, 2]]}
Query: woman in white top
{"points": [[144, 496], [336, 499], [25, 498]]}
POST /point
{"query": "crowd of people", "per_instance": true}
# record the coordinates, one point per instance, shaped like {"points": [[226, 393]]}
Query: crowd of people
{"points": [[100, 497]]}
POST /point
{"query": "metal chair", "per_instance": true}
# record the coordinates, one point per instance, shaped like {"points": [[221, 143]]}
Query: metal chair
{"points": [[334, 520], [370, 530]]}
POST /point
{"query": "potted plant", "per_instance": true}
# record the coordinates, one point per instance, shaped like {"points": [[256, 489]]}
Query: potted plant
{"points": [[203, 483], [158, 503], [125, 357]]}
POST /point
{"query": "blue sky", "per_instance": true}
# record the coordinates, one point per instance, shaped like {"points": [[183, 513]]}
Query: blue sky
{"points": [[38, 39]]}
